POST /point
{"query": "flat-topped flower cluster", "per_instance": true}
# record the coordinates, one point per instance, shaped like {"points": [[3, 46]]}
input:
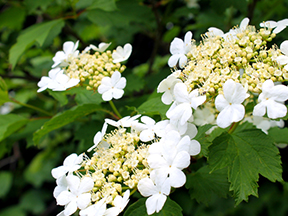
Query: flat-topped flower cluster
{"points": [[227, 71], [90, 68], [145, 155], [214, 83]]}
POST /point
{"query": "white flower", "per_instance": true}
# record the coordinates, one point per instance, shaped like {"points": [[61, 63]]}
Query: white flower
{"points": [[203, 116], [98, 138], [283, 59], [126, 121], [119, 204], [122, 54], [102, 47], [70, 164], [229, 104], [62, 185], [63, 82], [167, 86], [272, 99], [232, 32], [179, 49], [264, 123], [112, 87], [156, 192], [278, 26], [150, 127], [48, 82], [57, 81], [168, 157], [63, 58], [169, 165], [78, 196], [181, 108], [97, 209]]}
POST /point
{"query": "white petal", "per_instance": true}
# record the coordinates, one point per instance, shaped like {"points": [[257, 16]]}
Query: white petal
{"points": [[86, 185], [70, 208], [83, 200], [121, 83], [284, 47], [276, 110], [177, 178], [59, 172], [117, 93], [172, 62], [177, 46], [146, 187], [182, 160], [259, 110], [108, 95], [195, 148], [221, 103]]}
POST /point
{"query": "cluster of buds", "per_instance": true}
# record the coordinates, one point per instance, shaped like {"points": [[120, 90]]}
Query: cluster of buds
{"points": [[144, 156], [87, 68], [230, 70]]}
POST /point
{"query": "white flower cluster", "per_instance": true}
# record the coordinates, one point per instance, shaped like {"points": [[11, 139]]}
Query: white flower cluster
{"points": [[142, 155], [102, 70], [224, 73]]}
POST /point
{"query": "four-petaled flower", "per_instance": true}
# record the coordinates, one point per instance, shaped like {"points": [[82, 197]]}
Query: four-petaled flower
{"points": [[122, 54], [230, 104], [156, 192], [78, 195], [70, 164], [63, 58], [272, 99], [179, 49], [112, 87]]}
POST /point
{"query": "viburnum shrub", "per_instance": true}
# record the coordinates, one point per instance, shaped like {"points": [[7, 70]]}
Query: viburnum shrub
{"points": [[225, 92]]}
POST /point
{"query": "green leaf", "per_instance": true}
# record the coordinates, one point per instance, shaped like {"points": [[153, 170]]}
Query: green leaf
{"points": [[203, 184], [128, 12], [246, 154], [39, 169], [134, 83], [59, 96], [32, 201], [278, 135], [83, 96], [3, 85], [106, 5], [4, 97], [12, 211], [153, 106], [32, 5], [201, 137], [5, 182], [36, 33], [10, 123], [138, 208], [12, 18], [64, 118]]}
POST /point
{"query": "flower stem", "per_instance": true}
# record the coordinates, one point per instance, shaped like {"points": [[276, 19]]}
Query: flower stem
{"points": [[31, 107], [233, 127], [115, 109]]}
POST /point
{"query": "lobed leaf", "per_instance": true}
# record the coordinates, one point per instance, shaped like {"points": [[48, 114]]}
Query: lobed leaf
{"points": [[203, 184], [246, 154]]}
